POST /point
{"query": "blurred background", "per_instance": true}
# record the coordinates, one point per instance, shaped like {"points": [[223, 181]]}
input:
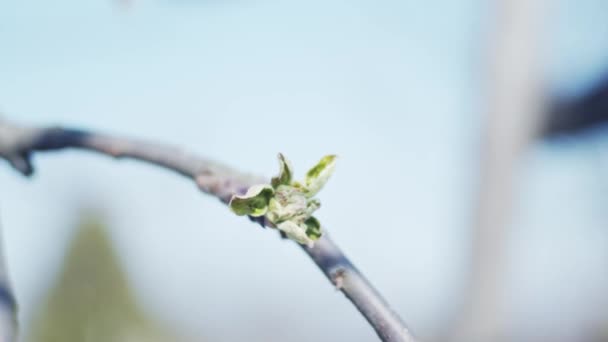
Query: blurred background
{"points": [[100, 250]]}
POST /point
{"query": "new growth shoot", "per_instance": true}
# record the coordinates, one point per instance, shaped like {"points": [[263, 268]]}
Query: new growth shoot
{"points": [[286, 203]]}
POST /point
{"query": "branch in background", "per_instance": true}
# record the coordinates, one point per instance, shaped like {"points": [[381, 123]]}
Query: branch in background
{"points": [[579, 114], [18, 143], [511, 121], [8, 305]]}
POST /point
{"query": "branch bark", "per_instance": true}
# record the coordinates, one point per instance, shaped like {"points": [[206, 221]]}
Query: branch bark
{"points": [[18, 144]]}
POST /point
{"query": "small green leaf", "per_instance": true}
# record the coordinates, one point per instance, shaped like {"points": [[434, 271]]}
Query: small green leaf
{"points": [[312, 205], [295, 232], [285, 173], [254, 202], [313, 228], [319, 174]]}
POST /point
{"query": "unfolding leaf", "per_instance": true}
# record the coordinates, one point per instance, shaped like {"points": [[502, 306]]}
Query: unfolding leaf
{"points": [[319, 174], [312, 205], [313, 228], [295, 232], [254, 202], [285, 172]]}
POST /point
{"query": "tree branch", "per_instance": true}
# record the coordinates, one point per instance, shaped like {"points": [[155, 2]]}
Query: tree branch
{"points": [[8, 305], [18, 143], [574, 116], [514, 102]]}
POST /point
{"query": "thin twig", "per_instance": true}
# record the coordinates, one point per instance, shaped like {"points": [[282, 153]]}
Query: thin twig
{"points": [[18, 143]]}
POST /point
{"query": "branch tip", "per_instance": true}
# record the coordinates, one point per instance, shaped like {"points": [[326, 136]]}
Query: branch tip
{"points": [[22, 164]]}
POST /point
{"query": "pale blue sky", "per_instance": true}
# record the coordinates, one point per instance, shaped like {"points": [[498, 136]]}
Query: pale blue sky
{"points": [[389, 86]]}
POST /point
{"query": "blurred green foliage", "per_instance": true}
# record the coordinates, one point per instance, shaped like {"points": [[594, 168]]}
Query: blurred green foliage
{"points": [[91, 300]]}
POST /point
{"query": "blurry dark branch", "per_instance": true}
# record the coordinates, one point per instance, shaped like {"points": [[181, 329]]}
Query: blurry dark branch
{"points": [[19, 143], [579, 114], [8, 305]]}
